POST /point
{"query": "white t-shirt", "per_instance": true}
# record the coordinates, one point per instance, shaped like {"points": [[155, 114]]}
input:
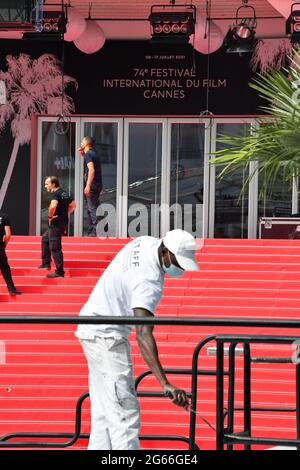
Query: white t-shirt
{"points": [[133, 279]]}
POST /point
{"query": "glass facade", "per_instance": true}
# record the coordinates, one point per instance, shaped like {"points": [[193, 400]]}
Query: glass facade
{"points": [[156, 177]]}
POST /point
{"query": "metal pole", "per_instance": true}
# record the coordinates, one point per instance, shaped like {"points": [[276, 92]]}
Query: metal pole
{"points": [[298, 402], [194, 387], [247, 393], [220, 395], [231, 383]]}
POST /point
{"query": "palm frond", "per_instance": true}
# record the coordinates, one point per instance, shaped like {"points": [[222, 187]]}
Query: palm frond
{"points": [[31, 84], [274, 145]]}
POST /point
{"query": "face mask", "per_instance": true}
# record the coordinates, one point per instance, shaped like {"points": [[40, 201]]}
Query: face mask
{"points": [[172, 270]]}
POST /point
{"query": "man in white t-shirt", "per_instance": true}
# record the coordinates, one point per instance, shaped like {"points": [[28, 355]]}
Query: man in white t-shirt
{"points": [[130, 286]]}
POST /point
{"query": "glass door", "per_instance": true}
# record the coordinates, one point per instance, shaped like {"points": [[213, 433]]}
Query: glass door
{"points": [[230, 205], [57, 158], [108, 136], [144, 154], [186, 176]]}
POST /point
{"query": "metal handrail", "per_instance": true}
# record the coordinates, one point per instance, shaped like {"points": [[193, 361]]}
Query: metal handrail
{"points": [[187, 321]]}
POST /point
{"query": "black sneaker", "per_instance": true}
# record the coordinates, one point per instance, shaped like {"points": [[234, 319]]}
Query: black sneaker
{"points": [[54, 275], [44, 266], [14, 292]]}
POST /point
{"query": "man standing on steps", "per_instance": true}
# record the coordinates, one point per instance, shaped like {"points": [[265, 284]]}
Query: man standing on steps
{"points": [[130, 286], [5, 234], [61, 206], [92, 181]]}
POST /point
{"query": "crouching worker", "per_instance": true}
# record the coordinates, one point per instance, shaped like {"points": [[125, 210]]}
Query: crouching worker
{"points": [[130, 286]]}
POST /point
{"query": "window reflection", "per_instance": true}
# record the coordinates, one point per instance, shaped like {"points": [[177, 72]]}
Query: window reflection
{"points": [[186, 183], [276, 202], [58, 159], [231, 207], [144, 179], [105, 135]]}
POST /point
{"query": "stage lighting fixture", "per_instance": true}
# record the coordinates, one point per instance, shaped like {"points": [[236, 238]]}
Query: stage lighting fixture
{"points": [[54, 21], [241, 36], [51, 24], [172, 23], [292, 25]]}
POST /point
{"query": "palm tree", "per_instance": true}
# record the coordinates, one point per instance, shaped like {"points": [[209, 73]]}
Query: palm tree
{"points": [[275, 142], [32, 86]]}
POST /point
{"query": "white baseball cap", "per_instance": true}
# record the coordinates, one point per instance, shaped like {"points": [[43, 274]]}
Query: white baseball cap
{"points": [[183, 245]]}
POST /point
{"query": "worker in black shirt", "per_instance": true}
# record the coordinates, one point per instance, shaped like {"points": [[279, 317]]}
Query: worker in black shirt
{"points": [[92, 181], [60, 207], [5, 234]]}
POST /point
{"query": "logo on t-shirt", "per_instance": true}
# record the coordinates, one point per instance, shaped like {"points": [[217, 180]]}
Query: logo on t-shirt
{"points": [[135, 254]]}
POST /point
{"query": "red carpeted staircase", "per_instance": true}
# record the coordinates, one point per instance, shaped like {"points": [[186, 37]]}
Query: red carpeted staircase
{"points": [[43, 370]]}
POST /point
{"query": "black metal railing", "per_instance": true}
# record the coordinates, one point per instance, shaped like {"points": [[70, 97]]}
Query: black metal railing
{"points": [[244, 437], [193, 396], [223, 436]]}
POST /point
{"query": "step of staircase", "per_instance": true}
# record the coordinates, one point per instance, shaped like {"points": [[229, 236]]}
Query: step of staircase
{"points": [[43, 371]]}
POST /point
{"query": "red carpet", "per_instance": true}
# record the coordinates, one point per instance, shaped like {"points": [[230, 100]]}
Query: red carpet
{"points": [[45, 372]]}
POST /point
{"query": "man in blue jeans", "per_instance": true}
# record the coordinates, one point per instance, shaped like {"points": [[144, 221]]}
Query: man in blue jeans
{"points": [[92, 180]]}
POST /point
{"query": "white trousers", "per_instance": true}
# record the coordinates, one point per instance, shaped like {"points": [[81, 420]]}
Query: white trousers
{"points": [[115, 412]]}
